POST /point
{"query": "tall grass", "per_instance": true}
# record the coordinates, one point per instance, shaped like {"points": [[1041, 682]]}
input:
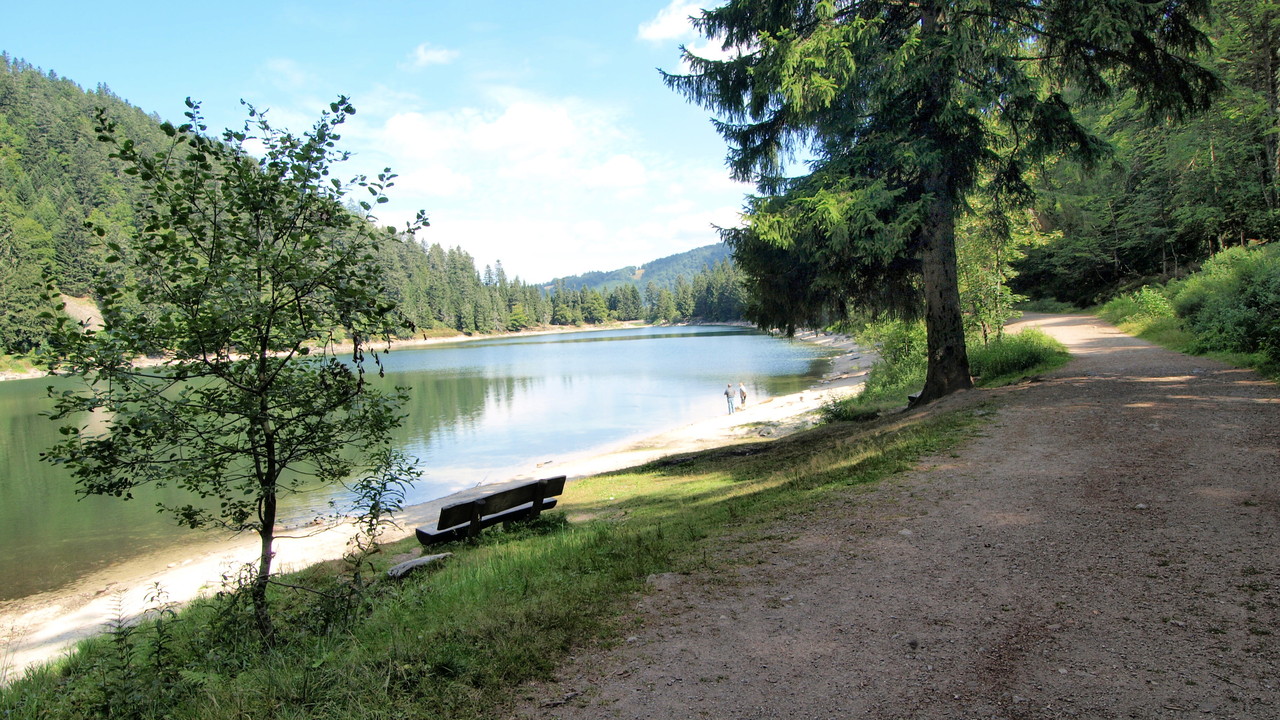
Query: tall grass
{"points": [[901, 369], [1012, 357]]}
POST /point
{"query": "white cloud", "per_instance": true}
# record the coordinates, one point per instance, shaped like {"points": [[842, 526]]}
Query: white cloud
{"points": [[671, 22], [285, 73], [425, 55], [549, 185]]}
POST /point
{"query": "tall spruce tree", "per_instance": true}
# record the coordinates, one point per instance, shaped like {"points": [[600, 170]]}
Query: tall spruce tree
{"points": [[904, 109]]}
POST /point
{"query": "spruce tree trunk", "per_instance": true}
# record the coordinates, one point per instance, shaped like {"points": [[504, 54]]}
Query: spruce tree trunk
{"points": [[948, 359]]}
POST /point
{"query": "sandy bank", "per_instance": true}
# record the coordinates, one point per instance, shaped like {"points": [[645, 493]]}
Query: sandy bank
{"points": [[40, 627], [398, 344]]}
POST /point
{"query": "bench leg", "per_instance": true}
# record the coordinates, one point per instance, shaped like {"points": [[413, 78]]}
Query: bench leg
{"points": [[473, 528], [539, 494]]}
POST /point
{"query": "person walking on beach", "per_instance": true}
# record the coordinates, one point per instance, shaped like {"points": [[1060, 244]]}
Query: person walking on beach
{"points": [[742, 395], [728, 395]]}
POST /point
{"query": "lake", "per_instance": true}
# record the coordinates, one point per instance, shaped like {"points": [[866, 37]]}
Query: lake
{"points": [[477, 412]]}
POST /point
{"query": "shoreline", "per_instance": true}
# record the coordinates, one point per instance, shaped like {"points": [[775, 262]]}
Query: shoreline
{"points": [[417, 342], [38, 628]]}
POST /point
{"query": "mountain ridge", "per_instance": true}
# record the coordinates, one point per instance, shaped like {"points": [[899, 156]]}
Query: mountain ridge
{"points": [[662, 272]]}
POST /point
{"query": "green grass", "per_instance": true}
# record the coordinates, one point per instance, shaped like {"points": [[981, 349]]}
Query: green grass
{"points": [[457, 642], [1011, 358], [1005, 360], [15, 363]]}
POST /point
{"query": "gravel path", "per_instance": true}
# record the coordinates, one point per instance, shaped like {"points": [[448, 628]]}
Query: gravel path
{"points": [[1107, 547]]}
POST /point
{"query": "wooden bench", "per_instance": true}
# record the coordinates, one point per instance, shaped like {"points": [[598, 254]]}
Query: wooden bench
{"points": [[465, 519]]}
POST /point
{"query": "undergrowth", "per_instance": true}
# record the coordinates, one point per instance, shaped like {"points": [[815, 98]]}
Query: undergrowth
{"points": [[1229, 310], [900, 371]]}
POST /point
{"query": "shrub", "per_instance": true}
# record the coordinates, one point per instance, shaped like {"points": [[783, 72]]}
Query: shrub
{"points": [[1233, 303], [903, 347], [1153, 303]]}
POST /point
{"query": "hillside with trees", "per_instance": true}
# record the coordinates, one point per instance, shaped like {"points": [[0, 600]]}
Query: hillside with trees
{"points": [[661, 272], [57, 180], [1172, 193]]}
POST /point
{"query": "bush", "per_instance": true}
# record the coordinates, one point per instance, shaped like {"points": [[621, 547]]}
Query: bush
{"points": [[903, 347], [1153, 303], [1233, 303]]}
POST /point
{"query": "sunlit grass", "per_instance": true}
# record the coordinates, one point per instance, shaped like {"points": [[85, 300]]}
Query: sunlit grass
{"points": [[1010, 358]]}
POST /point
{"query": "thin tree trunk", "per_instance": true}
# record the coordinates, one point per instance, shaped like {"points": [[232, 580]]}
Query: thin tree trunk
{"points": [[261, 610], [267, 478]]}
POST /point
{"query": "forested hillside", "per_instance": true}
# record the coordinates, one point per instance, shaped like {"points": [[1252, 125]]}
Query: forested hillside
{"points": [[55, 176], [1174, 192], [661, 273]]}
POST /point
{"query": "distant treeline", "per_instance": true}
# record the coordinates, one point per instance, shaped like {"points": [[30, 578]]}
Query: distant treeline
{"points": [[441, 289], [55, 176]]}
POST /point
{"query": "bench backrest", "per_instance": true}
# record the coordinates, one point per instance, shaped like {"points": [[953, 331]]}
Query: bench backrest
{"points": [[462, 512]]}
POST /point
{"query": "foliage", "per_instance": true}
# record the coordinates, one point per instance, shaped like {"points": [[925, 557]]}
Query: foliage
{"points": [[991, 240], [1013, 357], [1175, 193], [1233, 303], [1230, 305], [460, 641], [905, 108], [900, 368], [241, 265], [901, 363]]}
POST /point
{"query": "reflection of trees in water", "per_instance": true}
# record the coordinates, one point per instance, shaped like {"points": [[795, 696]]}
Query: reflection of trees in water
{"points": [[51, 535], [454, 402]]}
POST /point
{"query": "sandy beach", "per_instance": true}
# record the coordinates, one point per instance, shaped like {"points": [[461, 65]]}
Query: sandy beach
{"points": [[39, 628]]}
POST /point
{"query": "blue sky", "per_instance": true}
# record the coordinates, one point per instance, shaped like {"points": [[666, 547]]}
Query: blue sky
{"points": [[534, 133]]}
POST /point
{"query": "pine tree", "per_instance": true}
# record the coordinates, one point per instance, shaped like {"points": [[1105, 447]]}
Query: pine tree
{"points": [[905, 107]]}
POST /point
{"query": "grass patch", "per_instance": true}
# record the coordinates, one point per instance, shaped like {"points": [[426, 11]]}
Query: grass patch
{"points": [[438, 333], [16, 363], [901, 372], [1011, 358], [458, 641]]}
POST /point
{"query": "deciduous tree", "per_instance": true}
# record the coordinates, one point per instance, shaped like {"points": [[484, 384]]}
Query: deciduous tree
{"points": [[246, 269]]}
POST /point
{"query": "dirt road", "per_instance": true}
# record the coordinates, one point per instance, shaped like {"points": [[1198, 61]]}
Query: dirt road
{"points": [[1107, 547]]}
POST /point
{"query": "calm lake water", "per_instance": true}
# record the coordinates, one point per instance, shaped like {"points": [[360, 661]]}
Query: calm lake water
{"points": [[477, 412]]}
